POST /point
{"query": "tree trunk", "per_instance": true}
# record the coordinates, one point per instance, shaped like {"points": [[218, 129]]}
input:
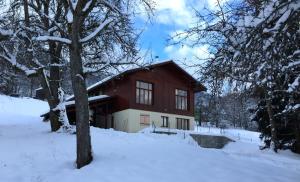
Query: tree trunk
{"points": [[31, 87], [26, 13], [54, 84], [84, 149], [297, 135], [272, 124], [297, 142], [54, 117], [54, 100], [200, 115]]}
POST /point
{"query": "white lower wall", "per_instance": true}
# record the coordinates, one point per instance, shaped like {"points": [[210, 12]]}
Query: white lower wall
{"points": [[129, 120], [121, 120]]}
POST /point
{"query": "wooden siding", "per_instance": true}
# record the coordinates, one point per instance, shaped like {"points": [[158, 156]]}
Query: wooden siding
{"points": [[165, 80]]}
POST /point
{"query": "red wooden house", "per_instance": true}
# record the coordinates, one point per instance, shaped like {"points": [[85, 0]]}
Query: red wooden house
{"points": [[161, 94]]}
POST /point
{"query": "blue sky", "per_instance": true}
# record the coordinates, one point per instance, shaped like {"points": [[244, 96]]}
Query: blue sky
{"points": [[172, 16], [154, 39]]}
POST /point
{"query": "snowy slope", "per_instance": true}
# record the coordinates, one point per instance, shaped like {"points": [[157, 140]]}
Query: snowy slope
{"points": [[30, 153], [23, 106], [13, 110]]}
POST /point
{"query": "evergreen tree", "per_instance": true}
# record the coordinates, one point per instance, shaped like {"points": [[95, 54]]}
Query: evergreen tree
{"points": [[256, 45]]}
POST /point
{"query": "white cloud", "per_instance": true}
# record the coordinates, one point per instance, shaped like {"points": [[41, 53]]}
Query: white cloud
{"points": [[187, 53], [174, 12], [188, 56], [181, 12]]}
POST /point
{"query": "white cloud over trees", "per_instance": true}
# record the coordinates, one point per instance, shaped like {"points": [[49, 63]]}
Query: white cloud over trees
{"points": [[180, 15]]}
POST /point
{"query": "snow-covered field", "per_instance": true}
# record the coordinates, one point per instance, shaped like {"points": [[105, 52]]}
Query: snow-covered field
{"points": [[29, 152]]}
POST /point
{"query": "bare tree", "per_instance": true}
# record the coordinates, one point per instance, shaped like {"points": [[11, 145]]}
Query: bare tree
{"points": [[18, 39], [94, 29], [115, 20]]}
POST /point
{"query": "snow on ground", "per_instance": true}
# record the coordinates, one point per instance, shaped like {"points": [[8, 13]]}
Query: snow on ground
{"points": [[31, 153], [13, 110]]}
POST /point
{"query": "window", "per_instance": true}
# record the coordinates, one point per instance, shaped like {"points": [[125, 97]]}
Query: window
{"points": [[181, 99], [144, 93], [182, 124], [144, 119], [165, 121]]}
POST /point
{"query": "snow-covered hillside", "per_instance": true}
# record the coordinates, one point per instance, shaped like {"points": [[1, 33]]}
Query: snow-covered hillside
{"points": [[30, 153], [20, 110]]}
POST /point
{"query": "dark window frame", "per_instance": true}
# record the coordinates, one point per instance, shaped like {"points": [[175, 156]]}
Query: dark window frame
{"points": [[182, 124], [181, 99], [144, 92], [165, 121]]}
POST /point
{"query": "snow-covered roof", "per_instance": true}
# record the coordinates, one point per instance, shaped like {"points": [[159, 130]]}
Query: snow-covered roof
{"points": [[90, 99], [102, 81], [136, 68], [117, 75], [125, 71], [72, 102]]}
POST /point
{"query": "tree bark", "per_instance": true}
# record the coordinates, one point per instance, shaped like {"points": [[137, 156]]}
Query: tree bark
{"points": [[272, 124], [26, 13], [297, 135], [53, 115], [84, 149], [200, 110], [54, 84]]}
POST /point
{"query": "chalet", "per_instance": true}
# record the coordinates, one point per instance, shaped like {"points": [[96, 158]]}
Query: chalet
{"points": [[161, 94]]}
